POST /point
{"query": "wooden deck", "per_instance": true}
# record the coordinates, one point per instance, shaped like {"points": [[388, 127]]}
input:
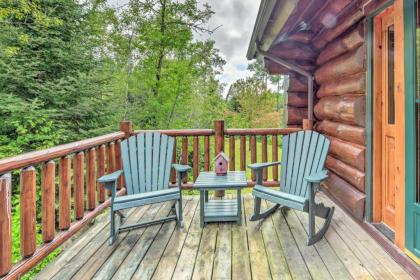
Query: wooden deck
{"points": [[272, 249]]}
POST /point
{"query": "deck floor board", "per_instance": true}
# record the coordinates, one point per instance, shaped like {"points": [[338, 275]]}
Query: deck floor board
{"points": [[274, 248]]}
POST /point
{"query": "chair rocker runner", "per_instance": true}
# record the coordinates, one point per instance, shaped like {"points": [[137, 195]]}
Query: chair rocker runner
{"points": [[147, 166], [302, 170]]}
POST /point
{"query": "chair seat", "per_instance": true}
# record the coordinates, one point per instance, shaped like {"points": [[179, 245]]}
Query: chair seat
{"points": [[282, 198], [134, 200]]}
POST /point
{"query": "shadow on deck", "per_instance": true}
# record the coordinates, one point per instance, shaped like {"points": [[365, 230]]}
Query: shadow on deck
{"points": [[272, 249]]}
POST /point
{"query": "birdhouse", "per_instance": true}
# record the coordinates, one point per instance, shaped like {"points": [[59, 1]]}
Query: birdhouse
{"points": [[220, 164]]}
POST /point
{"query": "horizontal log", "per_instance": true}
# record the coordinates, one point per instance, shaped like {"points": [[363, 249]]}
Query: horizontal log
{"points": [[326, 16], [276, 69], [346, 21], [347, 172], [349, 109], [296, 115], [341, 45], [303, 37], [355, 84], [32, 158], [352, 154], [297, 99], [345, 65], [259, 131], [298, 83], [293, 50], [181, 132], [346, 195], [345, 132]]}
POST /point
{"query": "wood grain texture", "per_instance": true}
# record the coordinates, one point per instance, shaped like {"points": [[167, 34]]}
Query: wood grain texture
{"points": [[48, 201], [184, 159], [352, 154], [118, 163], [5, 223], [345, 132], [64, 194], [348, 173], [242, 153], [206, 153], [354, 84], [91, 179], [196, 152], [79, 185], [174, 160], [264, 157], [101, 172], [253, 148], [296, 115], [275, 156], [232, 153], [27, 212]]}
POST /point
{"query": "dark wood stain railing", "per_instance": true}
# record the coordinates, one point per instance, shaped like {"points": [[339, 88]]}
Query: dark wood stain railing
{"points": [[81, 163]]}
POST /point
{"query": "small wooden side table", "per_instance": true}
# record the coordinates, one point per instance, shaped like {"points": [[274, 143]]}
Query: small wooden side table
{"points": [[220, 210]]}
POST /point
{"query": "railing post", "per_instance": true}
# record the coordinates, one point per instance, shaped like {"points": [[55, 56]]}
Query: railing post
{"points": [[127, 128], [5, 223], [219, 144]]}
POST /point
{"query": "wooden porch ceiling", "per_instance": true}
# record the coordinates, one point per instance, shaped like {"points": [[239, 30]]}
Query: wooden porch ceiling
{"points": [[272, 249]]}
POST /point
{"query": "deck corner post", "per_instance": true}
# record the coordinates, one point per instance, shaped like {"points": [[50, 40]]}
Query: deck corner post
{"points": [[219, 145], [126, 127]]}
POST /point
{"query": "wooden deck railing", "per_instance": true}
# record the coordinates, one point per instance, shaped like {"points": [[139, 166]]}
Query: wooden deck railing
{"points": [[80, 198]]}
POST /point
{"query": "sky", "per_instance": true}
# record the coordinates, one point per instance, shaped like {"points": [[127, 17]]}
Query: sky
{"points": [[236, 19]]}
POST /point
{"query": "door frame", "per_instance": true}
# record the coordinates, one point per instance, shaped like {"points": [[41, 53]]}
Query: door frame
{"points": [[400, 119], [378, 115], [410, 124]]}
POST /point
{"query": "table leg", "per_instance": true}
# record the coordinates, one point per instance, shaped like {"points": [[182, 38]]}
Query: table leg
{"points": [[239, 198], [202, 194]]}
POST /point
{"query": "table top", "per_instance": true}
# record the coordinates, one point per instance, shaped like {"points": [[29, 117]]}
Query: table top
{"points": [[209, 180]]}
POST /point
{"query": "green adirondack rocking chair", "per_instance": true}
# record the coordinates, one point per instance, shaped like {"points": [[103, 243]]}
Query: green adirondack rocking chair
{"points": [[302, 170], [147, 165]]}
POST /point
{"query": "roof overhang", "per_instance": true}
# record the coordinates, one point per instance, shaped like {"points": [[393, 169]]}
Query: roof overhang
{"points": [[271, 18]]}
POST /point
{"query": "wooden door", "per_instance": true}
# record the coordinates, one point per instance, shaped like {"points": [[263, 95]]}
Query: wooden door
{"points": [[385, 119]]}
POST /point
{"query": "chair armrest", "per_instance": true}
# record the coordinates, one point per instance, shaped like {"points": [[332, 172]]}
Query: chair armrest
{"points": [[112, 177], [181, 168], [256, 166], [317, 177]]}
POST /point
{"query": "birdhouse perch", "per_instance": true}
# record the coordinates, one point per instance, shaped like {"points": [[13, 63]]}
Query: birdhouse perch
{"points": [[220, 164]]}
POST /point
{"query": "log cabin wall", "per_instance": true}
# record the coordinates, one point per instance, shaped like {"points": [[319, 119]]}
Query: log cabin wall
{"points": [[340, 111]]}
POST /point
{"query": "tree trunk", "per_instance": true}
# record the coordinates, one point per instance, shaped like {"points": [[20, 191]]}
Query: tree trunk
{"points": [[162, 47]]}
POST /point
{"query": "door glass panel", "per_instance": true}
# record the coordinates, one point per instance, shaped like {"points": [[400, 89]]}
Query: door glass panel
{"points": [[391, 84]]}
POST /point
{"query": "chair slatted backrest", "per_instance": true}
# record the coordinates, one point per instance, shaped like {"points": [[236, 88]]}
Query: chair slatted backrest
{"points": [[147, 160], [303, 154]]}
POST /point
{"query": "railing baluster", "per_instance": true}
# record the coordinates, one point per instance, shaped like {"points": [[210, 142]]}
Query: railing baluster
{"points": [[79, 185], [232, 153], [185, 156], [274, 154], [243, 153], [91, 179], [28, 212], [48, 201], [64, 193], [101, 172], [111, 160], [5, 223], [174, 160], [195, 158], [264, 155], [118, 163], [206, 153], [253, 145]]}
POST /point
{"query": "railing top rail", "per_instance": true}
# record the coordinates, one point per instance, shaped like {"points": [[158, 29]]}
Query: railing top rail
{"points": [[260, 131], [36, 157], [181, 132]]}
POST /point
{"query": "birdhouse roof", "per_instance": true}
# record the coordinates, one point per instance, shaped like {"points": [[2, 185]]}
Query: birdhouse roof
{"points": [[222, 154]]}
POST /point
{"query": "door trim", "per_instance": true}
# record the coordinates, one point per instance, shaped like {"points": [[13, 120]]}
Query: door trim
{"points": [[410, 122]]}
